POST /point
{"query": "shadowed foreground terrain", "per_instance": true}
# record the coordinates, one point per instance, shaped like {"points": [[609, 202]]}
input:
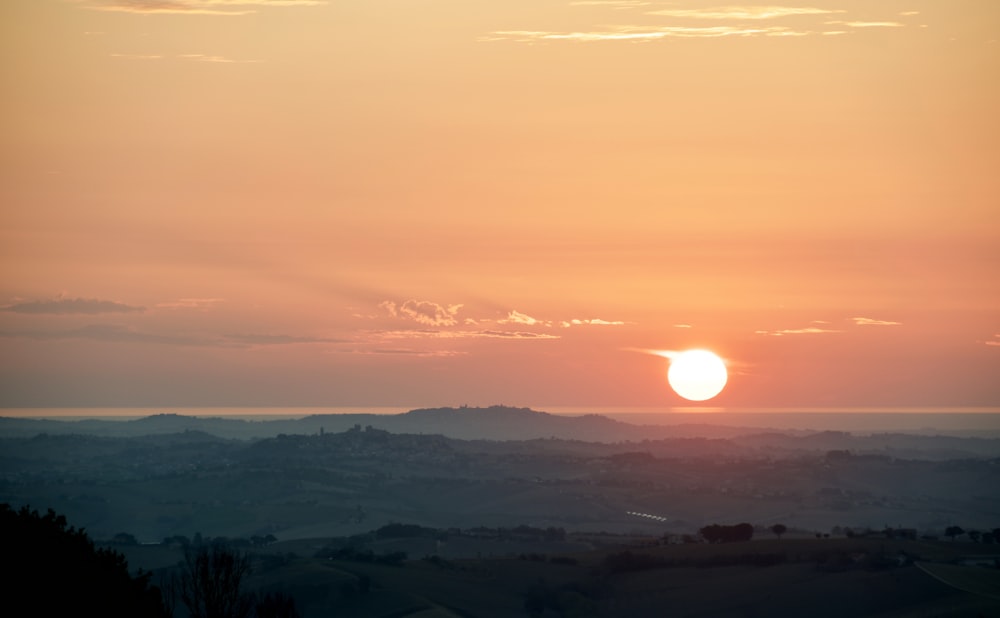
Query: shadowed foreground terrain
{"points": [[362, 521]]}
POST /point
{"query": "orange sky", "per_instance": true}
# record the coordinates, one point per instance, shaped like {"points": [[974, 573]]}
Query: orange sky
{"points": [[390, 202]]}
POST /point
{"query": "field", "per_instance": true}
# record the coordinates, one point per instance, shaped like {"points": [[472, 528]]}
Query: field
{"points": [[817, 577]]}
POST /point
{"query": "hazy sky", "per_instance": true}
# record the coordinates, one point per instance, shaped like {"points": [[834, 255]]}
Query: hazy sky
{"points": [[443, 202]]}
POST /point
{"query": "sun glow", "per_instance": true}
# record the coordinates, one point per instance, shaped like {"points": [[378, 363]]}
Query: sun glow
{"points": [[697, 375]]}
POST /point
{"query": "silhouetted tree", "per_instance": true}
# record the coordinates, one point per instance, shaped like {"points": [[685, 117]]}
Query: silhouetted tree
{"points": [[779, 529], [975, 535], [124, 538], [52, 569], [953, 531], [211, 583]]}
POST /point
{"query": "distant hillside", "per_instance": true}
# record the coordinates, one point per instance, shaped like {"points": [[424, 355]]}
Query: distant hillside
{"points": [[492, 423], [502, 423]]}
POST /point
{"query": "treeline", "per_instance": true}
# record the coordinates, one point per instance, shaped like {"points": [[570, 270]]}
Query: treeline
{"points": [[354, 554], [198, 540]]}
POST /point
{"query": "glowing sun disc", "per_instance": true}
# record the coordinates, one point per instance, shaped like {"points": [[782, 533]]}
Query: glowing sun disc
{"points": [[697, 375]]}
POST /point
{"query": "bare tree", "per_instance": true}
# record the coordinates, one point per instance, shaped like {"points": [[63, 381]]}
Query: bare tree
{"points": [[211, 583]]}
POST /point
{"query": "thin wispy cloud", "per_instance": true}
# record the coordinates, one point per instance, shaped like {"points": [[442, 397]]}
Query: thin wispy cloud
{"points": [[995, 341], [215, 59], [456, 334], [194, 7], [614, 4], [809, 330], [702, 23], [411, 352], [743, 12], [138, 56], [188, 57], [516, 317], [65, 306], [867, 24], [110, 333], [641, 33], [497, 334], [873, 322]]}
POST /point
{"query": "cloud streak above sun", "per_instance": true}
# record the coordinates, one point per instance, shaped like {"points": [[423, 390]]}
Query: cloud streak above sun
{"points": [[808, 330], [743, 12], [734, 21], [194, 7], [873, 322], [819, 327]]}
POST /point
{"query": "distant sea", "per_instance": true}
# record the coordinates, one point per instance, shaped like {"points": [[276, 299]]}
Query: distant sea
{"points": [[960, 419]]}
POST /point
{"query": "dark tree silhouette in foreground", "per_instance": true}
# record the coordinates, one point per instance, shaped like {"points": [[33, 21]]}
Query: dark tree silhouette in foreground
{"points": [[52, 569], [953, 531], [779, 529], [211, 583]]}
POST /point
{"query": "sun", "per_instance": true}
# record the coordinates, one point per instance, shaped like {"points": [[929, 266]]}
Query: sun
{"points": [[697, 375]]}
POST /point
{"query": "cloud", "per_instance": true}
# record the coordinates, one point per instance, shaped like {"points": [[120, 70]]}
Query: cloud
{"points": [[516, 317], [497, 334], [411, 352], [193, 7], [109, 333], [615, 4], [592, 322], [809, 330], [682, 326], [640, 33], [993, 342], [743, 12], [459, 334], [433, 314], [116, 333], [64, 306], [423, 312], [215, 59], [872, 322], [710, 22], [868, 24], [190, 57]]}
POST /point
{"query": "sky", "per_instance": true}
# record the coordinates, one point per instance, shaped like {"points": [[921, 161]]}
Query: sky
{"points": [[526, 202]]}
